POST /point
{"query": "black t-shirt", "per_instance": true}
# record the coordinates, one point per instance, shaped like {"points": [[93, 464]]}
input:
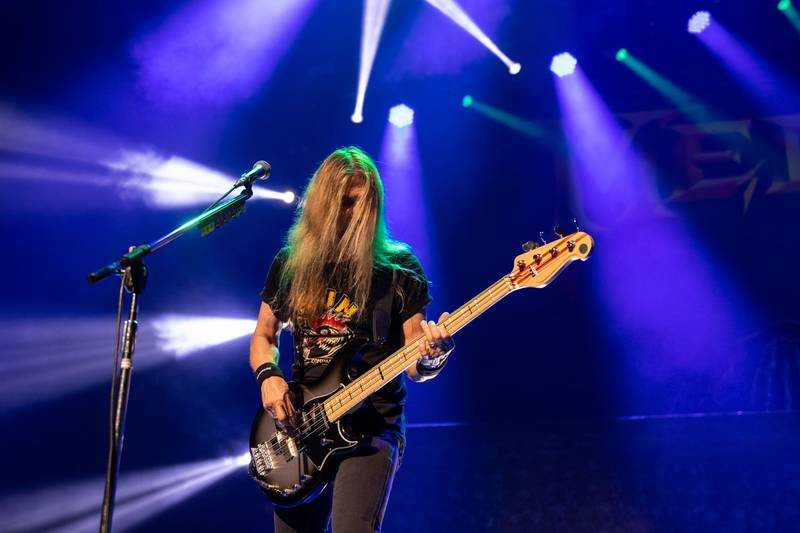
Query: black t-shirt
{"points": [[317, 343]]}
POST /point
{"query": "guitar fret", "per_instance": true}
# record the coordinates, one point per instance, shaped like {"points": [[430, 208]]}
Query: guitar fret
{"points": [[344, 400], [336, 406]]}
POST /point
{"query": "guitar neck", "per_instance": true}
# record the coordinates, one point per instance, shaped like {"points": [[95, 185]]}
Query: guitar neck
{"points": [[353, 394]]}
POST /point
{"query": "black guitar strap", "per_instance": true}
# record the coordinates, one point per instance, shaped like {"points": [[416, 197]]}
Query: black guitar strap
{"points": [[382, 313]]}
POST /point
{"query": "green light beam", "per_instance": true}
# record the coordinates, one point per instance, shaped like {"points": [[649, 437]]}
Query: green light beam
{"points": [[697, 110], [525, 127], [791, 13]]}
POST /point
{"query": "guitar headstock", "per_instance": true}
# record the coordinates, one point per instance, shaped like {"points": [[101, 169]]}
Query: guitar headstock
{"points": [[542, 262]]}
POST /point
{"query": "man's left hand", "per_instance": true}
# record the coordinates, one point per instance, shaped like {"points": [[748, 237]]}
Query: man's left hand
{"points": [[437, 342]]}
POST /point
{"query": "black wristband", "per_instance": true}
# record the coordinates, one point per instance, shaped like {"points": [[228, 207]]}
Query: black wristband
{"points": [[266, 371]]}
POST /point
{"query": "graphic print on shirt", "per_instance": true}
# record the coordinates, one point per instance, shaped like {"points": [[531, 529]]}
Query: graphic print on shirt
{"points": [[327, 334]]}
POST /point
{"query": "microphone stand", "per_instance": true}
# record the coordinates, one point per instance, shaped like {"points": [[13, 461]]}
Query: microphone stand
{"points": [[134, 272]]}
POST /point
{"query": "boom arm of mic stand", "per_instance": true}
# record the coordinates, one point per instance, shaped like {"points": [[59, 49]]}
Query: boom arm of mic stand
{"points": [[203, 220]]}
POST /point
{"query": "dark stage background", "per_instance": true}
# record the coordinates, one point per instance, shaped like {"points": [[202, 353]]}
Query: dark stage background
{"points": [[572, 408]]}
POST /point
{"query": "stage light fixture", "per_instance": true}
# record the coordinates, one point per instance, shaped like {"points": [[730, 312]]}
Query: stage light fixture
{"points": [[401, 116], [622, 54], [783, 5], [466, 101], [514, 68], [699, 22], [563, 64]]}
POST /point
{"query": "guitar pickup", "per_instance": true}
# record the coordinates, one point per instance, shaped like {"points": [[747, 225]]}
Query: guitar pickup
{"points": [[285, 446]]}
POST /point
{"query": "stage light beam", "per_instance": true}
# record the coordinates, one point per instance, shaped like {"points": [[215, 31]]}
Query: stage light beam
{"points": [[663, 334], [563, 64], [196, 56], [776, 91], [142, 495], [175, 181], [786, 7], [55, 150], [406, 208], [50, 357], [525, 127], [684, 101], [371, 29], [456, 13], [182, 335]]}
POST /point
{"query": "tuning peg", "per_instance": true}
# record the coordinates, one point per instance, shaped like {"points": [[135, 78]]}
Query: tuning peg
{"points": [[558, 230], [528, 246]]}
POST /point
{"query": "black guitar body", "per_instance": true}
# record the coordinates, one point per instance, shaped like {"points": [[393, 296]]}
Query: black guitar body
{"points": [[292, 467]]}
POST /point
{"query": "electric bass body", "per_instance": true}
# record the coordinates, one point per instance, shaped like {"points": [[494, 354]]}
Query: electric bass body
{"points": [[294, 465]]}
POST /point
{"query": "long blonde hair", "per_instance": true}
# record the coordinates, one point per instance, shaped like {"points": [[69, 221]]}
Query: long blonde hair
{"points": [[318, 254]]}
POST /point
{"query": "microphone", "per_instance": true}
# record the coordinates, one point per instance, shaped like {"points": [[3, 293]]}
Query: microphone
{"points": [[260, 171]]}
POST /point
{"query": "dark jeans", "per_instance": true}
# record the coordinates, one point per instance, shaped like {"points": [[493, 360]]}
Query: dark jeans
{"points": [[356, 499]]}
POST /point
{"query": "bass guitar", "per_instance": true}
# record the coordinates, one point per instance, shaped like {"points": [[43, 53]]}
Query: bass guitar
{"points": [[293, 465]]}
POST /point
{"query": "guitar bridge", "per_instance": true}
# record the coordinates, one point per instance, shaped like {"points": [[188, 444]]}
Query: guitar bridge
{"points": [[262, 459]]}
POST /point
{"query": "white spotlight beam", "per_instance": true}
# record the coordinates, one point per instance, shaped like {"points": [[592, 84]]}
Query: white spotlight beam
{"points": [[49, 357], [371, 29], [75, 507], [53, 149], [454, 12], [176, 181], [182, 335]]}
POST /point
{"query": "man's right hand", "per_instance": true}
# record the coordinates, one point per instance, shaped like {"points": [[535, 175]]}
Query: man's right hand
{"points": [[278, 400]]}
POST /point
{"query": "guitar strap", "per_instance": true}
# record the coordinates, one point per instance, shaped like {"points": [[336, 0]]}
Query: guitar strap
{"points": [[382, 313]]}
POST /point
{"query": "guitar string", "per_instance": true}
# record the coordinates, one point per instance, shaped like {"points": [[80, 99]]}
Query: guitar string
{"points": [[451, 323], [457, 320], [403, 359]]}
